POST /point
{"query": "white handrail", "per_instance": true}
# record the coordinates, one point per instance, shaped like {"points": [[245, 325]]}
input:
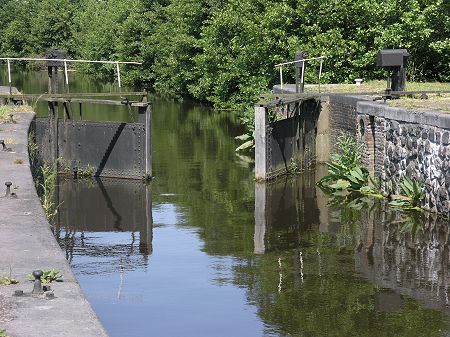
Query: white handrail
{"points": [[280, 65], [65, 61], [298, 61]]}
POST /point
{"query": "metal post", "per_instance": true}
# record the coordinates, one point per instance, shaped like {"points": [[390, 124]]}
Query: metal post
{"points": [[145, 117], [148, 140], [9, 76], [300, 58], [320, 71], [53, 112], [65, 72], [118, 74], [302, 76], [387, 94], [261, 121], [66, 75], [281, 77]]}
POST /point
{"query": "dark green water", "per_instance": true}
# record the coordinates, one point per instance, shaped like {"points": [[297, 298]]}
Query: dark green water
{"points": [[204, 251]]}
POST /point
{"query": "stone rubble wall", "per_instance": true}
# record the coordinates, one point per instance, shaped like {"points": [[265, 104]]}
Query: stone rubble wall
{"points": [[397, 143], [402, 143]]}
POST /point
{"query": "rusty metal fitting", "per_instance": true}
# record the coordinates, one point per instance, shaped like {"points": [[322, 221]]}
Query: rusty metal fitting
{"points": [[37, 288], [8, 188]]}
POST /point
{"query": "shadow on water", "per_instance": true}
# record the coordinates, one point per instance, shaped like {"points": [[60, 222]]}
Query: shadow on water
{"points": [[206, 251]]}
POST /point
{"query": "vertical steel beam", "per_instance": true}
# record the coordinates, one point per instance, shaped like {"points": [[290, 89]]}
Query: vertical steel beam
{"points": [[261, 122], [9, 76], [53, 112], [281, 77], [118, 74], [145, 117], [66, 76], [148, 140], [320, 71]]}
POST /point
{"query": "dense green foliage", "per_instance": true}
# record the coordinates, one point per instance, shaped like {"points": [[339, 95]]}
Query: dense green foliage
{"points": [[348, 182], [224, 51], [347, 177]]}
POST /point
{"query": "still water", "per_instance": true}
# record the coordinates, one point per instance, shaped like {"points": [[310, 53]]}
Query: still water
{"points": [[205, 251]]}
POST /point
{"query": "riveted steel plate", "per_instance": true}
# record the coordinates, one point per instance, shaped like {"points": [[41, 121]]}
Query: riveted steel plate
{"points": [[42, 138], [112, 149], [284, 138]]}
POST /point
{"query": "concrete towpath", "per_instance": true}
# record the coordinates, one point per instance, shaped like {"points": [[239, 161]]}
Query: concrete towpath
{"points": [[27, 244]]}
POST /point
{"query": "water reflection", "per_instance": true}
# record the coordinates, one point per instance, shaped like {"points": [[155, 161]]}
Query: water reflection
{"points": [[410, 260], [108, 219], [236, 258], [341, 270], [287, 205]]}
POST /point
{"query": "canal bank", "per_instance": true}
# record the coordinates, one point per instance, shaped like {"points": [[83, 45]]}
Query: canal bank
{"points": [[211, 262], [410, 138], [27, 244]]}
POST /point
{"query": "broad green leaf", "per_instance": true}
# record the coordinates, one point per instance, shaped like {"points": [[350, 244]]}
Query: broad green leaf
{"points": [[243, 137], [245, 145], [341, 185]]}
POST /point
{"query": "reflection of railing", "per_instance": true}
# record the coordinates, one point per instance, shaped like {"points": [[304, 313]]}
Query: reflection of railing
{"points": [[303, 62], [94, 209]]}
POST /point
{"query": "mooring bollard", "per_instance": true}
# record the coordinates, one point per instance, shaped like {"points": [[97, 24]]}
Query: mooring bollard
{"points": [[8, 188], [75, 172], [37, 288], [6, 149]]}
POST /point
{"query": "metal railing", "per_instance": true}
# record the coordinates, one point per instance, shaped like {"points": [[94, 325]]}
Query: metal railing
{"points": [[302, 76], [65, 62]]}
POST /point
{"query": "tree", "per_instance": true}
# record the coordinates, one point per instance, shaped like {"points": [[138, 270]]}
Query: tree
{"points": [[174, 44], [36, 26]]}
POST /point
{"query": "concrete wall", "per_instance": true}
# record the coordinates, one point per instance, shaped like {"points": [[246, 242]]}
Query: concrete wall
{"points": [[397, 143]]}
